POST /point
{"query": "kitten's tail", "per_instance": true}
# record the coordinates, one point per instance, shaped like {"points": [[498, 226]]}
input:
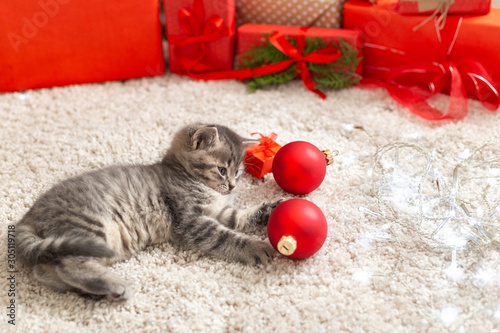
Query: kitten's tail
{"points": [[32, 250]]}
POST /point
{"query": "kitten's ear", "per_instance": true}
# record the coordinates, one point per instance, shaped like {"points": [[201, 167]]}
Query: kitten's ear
{"points": [[204, 138]]}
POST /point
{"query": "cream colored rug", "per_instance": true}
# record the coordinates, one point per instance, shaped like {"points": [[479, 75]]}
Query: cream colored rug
{"points": [[408, 249]]}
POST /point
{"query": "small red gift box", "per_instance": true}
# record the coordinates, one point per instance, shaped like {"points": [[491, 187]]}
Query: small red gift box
{"points": [[259, 158], [200, 35], [444, 6], [413, 65], [47, 43]]}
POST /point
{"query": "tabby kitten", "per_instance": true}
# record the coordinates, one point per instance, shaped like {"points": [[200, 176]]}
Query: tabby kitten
{"points": [[87, 222]]}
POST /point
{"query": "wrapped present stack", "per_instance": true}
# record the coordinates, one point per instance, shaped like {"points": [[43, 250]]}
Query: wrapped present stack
{"points": [[200, 35], [413, 48], [417, 49], [84, 42]]}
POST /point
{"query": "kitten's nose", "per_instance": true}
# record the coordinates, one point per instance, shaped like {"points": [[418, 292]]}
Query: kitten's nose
{"points": [[231, 186]]}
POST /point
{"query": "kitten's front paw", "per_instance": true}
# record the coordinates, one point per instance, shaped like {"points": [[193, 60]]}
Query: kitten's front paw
{"points": [[258, 253], [121, 292], [265, 211]]}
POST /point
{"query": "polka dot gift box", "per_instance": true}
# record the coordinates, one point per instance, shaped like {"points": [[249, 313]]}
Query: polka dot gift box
{"points": [[306, 13]]}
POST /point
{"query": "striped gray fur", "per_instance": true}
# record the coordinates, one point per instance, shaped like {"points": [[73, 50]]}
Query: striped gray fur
{"points": [[81, 225]]}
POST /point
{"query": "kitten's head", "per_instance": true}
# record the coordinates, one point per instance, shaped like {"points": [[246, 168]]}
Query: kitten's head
{"points": [[213, 154]]}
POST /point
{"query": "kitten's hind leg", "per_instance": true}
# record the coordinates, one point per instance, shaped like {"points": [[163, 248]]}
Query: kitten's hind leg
{"points": [[46, 275], [91, 277]]}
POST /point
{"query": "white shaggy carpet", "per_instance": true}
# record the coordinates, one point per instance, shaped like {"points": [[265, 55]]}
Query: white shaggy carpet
{"points": [[373, 274]]}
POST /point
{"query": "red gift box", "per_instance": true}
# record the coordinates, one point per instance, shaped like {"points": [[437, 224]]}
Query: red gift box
{"points": [[200, 35], [49, 43], [448, 6], [415, 65], [259, 158], [250, 35], [253, 35]]}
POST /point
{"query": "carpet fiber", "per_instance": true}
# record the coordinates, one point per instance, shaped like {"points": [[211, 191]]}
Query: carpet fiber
{"points": [[381, 268]]}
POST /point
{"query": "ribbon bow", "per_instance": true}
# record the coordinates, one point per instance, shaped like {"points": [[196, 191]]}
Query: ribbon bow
{"points": [[277, 39], [412, 85], [265, 145], [198, 31], [321, 56]]}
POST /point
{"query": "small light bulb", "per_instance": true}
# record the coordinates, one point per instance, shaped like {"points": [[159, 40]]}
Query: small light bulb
{"points": [[479, 212], [348, 127], [452, 212], [348, 159], [367, 211], [455, 241], [414, 135], [366, 241], [362, 276], [454, 272], [483, 277], [387, 226], [448, 315], [464, 155]]}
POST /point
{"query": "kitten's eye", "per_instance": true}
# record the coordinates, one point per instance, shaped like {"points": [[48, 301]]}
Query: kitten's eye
{"points": [[222, 171], [237, 173]]}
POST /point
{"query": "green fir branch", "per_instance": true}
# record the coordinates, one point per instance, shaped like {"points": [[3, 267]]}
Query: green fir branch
{"points": [[335, 75]]}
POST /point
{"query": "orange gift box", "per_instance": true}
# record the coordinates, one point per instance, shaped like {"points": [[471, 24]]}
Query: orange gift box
{"points": [[49, 43], [200, 34], [259, 158], [467, 45]]}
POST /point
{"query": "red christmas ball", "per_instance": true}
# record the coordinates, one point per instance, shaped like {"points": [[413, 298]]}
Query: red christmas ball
{"points": [[297, 228], [299, 167]]}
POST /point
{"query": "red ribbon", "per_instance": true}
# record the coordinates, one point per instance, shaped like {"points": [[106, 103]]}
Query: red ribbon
{"points": [[412, 85], [277, 39], [265, 145], [198, 32]]}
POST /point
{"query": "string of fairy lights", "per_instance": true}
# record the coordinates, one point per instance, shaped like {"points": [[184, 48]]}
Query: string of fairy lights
{"points": [[433, 206], [455, 211]]}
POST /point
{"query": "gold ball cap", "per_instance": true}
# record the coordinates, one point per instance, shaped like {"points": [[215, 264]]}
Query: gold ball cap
{"points": [[287, 245], [329, 155]]}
